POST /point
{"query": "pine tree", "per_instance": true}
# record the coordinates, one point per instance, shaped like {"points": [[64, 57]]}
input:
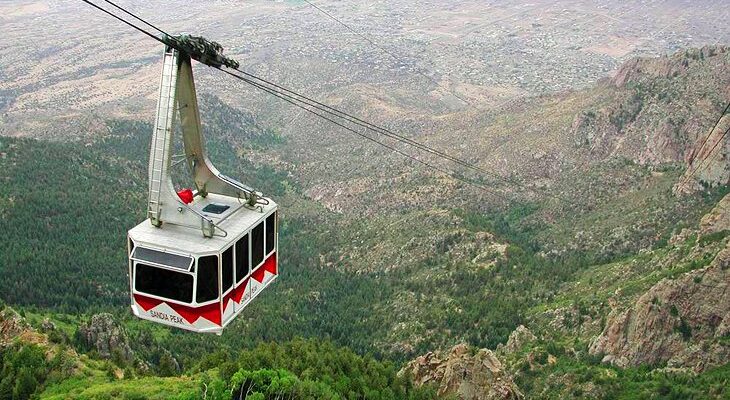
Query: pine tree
{"points": [[6, 387], [25, 385], [168, 365]]}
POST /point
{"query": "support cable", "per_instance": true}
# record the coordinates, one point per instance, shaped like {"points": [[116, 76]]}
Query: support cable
{"points": [[694, 170], [123, 20], [367, 125], [300, 105], [296, 99], [386, 51], [710, 155], [137, 18]]}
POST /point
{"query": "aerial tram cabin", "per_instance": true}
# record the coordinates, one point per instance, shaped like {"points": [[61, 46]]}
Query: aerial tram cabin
{"points": [[202, 254]]}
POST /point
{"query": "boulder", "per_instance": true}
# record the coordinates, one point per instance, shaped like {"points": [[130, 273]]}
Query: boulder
{"points": [[467, 375], [47, 325]]}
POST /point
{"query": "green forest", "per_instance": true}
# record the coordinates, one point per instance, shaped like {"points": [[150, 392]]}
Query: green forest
{"points": [[304, 369], [65, 210]]}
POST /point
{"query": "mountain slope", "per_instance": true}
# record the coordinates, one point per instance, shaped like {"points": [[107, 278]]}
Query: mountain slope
{"points": [[40, 365], [394, 262], [654, 324], [654, 113]]}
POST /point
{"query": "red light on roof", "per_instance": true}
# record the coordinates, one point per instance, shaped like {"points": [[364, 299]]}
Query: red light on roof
{"points": [[186, 195]]}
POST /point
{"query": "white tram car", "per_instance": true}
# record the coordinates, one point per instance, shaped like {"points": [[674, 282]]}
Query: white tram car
{"points": [[202, 255]]}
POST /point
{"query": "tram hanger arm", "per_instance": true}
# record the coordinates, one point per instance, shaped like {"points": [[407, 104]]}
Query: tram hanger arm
{"points": [[206, 176]]}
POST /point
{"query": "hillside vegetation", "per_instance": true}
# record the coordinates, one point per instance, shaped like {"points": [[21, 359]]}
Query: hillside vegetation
{"points": [[384, 263], [43, 366]]}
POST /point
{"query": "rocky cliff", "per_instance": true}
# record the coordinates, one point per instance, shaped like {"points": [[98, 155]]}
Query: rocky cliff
{"points": [[108, 338], [640, 69], [660, 110], [12, 326], [466, 375], [718, 219], [683, 322]]}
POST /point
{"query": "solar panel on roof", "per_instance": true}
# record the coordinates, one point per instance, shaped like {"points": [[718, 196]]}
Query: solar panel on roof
{"points": [[216, 208]]}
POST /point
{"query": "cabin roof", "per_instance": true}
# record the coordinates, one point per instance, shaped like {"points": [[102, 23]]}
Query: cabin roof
{"points": [[237, 220]]}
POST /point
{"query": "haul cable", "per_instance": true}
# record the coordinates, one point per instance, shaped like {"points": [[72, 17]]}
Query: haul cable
{"points": [[694, 170], [328, 109], [362, 135], [386, 51]]}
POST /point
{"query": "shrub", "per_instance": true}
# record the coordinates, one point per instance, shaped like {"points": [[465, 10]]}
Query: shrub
{"points": [[684, 329]]}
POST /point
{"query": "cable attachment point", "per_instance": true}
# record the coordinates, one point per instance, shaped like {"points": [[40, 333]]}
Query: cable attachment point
{"points": [[256, 200], [201, 49]]}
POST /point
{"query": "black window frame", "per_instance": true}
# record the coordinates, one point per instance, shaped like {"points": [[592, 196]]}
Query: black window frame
{"points": [[227, 274], [164, 278], [258, 252], [270, 237], [243, 245], [201, 284]]}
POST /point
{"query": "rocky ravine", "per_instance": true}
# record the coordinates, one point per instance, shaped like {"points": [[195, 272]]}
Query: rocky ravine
{"points": [[683, 322]]}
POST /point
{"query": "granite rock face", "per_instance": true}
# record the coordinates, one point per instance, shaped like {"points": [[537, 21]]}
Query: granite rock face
{"points": [[517, 339], [718, 219], [469, 376], [678, 321], [103, 334], [659, 113], [637, 69]]}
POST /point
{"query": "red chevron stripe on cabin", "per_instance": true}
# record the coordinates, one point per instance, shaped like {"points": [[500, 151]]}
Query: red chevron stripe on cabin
{"points": [[269, 265], [147, 303], [211, 312], [237, 293], [258, 274], [240, 290]]}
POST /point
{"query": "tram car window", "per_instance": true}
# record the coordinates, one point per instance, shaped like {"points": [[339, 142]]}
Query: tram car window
{"points": [[227, 269], [163, 282], [242, 258], [270, 233], [257, 245], [207, 279]]}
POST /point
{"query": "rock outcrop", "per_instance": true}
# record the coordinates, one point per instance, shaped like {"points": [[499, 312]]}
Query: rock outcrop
{"points": [[684, 322], [660, 112], [478, 376], [637, 69], [14, 329], [11, 326], [718, 219], [108, 338], [517, 340]]}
